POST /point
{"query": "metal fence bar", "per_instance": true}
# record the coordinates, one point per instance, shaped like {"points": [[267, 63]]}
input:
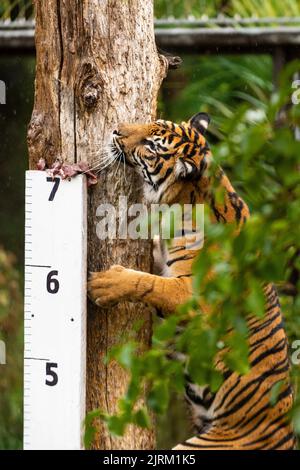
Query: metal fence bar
{"points": [[256, 40], [16, 24], [15, 39], [20, 35], [225, 21]]}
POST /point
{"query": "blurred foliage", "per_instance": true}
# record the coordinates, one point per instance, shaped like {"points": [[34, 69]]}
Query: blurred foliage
{"points": [[230, 8], [257, 146], [182, 9], [23, 9], [18, 75], [217, 85], [11, 332], [16, 9], [265, 9]]}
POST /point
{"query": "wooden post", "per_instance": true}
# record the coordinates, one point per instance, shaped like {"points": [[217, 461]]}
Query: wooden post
{"points": [[97, 66]]}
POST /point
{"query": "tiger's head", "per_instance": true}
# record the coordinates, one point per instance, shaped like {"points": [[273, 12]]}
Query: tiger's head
{"points": [[164, 153]]}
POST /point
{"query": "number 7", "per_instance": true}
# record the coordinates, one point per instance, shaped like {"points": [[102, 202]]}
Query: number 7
{"points": [[56, 182]]}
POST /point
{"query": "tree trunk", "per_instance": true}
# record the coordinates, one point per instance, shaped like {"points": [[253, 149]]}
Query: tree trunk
{"points": [[97, 66]]}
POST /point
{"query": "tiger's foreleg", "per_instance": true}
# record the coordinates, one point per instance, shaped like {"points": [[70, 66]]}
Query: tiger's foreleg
{"points": [[119, 283]]}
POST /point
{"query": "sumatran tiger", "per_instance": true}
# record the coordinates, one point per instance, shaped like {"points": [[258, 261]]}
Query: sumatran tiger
{"points": [[174, 162]]}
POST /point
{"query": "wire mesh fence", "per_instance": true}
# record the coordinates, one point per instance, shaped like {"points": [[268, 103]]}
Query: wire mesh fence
{"points": [[16, 10], [185, 13]]}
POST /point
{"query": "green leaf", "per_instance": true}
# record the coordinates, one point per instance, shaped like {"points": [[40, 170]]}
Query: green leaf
{"points": [[116, 425], [166, 329], [142, 418], [158, 397], [275, 391], [256, 300], [296, 420], [89, 428], [124, 354], [237, 358], [216, 380]]}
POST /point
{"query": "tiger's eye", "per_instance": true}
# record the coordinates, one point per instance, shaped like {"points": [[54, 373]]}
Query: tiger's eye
{"points": [[148, 143]]}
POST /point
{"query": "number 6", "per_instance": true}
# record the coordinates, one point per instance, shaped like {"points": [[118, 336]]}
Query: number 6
{"points": [[52, 283]]}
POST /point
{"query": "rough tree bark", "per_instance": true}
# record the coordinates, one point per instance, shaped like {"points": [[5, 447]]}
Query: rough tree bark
{"points": [[97, 66]]}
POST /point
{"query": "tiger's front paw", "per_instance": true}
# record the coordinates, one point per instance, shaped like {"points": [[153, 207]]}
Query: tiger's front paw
{"points": [[109, 287]]}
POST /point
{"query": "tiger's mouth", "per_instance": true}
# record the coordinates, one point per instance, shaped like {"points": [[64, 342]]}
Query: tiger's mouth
{"points": [[118, 149]]}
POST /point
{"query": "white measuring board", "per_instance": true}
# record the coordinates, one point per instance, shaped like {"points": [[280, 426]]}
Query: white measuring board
{"points": [[55, 312]]}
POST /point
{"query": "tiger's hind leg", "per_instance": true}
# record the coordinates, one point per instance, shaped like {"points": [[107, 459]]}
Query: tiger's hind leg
{"points": [[268, 435]]}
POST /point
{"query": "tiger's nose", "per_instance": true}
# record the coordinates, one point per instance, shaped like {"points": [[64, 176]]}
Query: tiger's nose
{"points": [[115, 132]]}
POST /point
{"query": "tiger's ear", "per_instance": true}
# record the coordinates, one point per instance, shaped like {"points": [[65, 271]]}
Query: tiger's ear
{"points": [[200, 122]]}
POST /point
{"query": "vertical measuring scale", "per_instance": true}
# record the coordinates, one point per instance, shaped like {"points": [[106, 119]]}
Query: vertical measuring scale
{"points": [[55, 311]]}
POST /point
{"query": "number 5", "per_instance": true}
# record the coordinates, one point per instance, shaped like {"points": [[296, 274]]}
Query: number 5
{"points": [[49, 371]]}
